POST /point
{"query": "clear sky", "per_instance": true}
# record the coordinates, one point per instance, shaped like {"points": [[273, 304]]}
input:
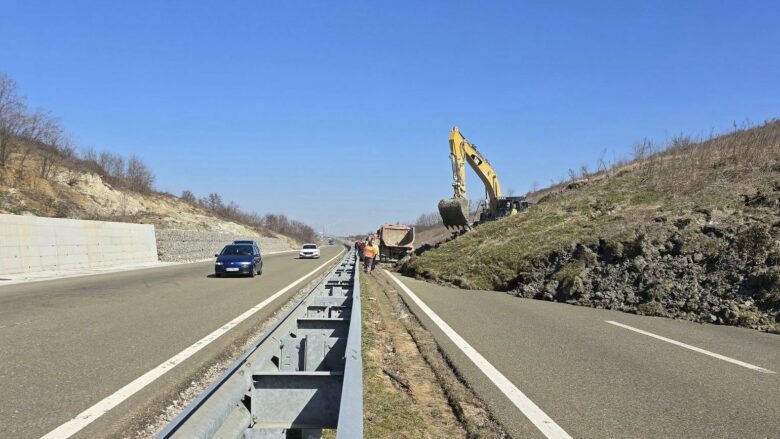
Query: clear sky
{"points": [[337, 113]]}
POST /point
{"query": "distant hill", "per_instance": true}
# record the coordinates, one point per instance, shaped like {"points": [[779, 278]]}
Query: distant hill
{"points": [[691, 231]]}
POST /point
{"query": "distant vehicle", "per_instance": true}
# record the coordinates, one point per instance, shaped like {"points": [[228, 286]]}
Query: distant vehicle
{"points": [[330, 242], [246, 241], [239, 259], [309, 251]]}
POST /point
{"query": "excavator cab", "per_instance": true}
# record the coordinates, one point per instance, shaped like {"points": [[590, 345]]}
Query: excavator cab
{"points": [[506, 204]]}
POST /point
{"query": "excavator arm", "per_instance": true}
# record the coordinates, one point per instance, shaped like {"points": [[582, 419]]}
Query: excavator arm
{"points": [[455, 211]]}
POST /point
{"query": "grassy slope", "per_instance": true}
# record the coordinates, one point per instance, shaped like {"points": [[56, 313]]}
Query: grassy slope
{"points": [[691, 232]]}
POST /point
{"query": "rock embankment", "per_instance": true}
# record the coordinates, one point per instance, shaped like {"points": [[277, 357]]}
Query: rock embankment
{"points": [[706, 268], [175, 245]]}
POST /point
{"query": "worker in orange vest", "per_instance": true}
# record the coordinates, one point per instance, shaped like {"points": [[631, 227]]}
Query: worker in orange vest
{"points": [[370, 251]]}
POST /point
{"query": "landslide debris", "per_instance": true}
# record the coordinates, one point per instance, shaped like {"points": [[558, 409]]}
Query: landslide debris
{"points": [[691, 232]]}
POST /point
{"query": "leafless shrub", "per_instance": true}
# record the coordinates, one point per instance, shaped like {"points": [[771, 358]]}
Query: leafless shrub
{"points": [[642, 150], [584, 173], [189, 197]]}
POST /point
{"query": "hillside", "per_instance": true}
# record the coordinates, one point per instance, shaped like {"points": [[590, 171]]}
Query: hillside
{"points": [[185, 230], [82, 195], [688, 232]]}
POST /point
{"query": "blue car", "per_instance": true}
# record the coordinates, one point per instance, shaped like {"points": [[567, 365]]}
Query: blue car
{"points": [[242, 259]]}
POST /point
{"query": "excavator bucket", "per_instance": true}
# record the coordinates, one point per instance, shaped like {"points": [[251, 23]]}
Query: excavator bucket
{"points": [[455, 212]]}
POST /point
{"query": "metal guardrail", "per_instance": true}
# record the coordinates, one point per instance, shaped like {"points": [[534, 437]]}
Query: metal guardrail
{"points": [[303, 375]]}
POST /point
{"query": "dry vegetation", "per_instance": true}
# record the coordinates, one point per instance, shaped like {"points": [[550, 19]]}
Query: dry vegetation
{"points": [[689, 230], [410, 390], [41, 170]]}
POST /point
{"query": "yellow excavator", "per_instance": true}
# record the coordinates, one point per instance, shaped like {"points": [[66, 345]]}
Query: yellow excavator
{"points": [[455, 211]]}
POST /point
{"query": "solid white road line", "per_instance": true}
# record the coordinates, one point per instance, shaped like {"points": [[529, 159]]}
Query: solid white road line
{"points": [[544, 423], [86, 417], [693, 348]]}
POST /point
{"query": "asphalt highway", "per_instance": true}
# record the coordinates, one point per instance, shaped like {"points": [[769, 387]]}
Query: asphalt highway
{"points": [[67, 344], [597, 379]]}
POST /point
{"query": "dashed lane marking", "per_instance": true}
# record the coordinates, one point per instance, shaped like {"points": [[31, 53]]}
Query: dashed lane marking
{"points": [[693, 348]]}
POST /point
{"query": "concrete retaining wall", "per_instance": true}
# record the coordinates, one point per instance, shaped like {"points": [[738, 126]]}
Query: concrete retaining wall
{"points": [[30, 244], [174, 245]]}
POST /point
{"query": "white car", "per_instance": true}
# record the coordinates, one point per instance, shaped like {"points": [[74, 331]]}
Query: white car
{"points": [[309, 251]]}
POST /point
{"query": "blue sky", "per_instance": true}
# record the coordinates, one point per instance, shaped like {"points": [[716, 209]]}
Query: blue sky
{"points": [[337, 113]]}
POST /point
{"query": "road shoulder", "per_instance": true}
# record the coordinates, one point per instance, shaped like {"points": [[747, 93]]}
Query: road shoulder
{"points": [[410, 388]]}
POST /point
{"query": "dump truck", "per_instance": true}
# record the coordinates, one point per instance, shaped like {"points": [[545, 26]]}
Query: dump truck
{"points": [[455, 211], [395, 241]]}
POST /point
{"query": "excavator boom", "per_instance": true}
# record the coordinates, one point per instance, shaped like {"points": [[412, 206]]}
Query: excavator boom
{"points": [[455, 211]]}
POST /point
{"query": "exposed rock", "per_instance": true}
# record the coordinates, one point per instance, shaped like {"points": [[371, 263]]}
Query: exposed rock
{"points": [[175, 245]]}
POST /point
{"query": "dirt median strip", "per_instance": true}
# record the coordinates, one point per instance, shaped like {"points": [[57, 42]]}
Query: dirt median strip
{"points": [[410, 387]]}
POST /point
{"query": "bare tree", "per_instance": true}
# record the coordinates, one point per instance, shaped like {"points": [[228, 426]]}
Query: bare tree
{"points": [[213, 202], [12, 117], [112, 164], [427, 221], [89, 155], [139, 176], [52, 143]]}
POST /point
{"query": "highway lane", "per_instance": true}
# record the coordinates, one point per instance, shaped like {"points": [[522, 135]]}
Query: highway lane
{"points": [[66, 344], [596, 379]]}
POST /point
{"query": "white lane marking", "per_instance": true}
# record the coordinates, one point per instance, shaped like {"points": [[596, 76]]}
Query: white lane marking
{"points": [[86, 417], [544, 423], [693, 348]]}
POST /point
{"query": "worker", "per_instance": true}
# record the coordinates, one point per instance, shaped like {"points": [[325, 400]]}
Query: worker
{"points": [[360, 245], [369, 252], [376, 254], [513, 212]]}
